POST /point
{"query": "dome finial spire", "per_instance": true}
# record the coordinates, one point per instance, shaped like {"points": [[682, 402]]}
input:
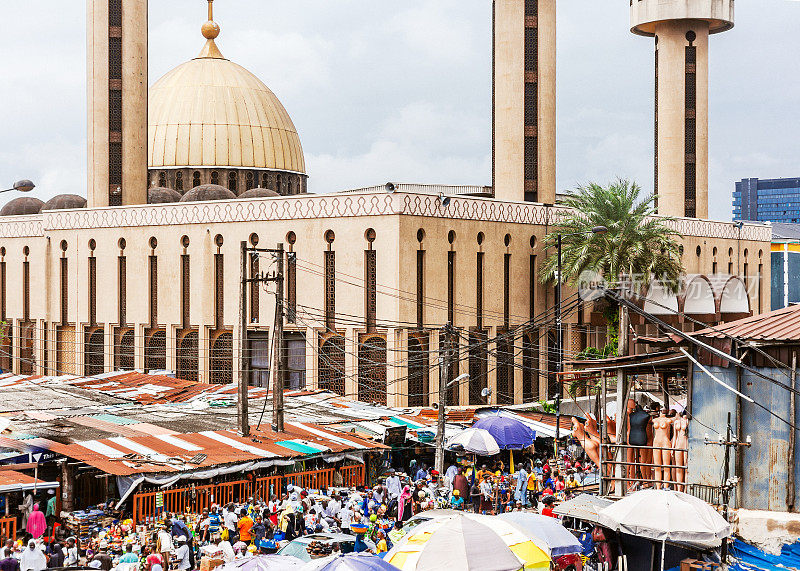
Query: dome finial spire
{"points": [[210, 32]]}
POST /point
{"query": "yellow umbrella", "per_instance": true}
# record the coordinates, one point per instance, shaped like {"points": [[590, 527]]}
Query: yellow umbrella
{"points": [[405, 554]]}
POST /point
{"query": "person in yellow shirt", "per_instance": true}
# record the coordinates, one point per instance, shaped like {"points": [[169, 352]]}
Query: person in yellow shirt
{"points": [[381, 543], [533, 489]]}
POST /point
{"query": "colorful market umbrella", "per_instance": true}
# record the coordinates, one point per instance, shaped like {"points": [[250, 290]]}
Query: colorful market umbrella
{"points": [[475, 440], [496, 536], [510, 433], [349, 562], [558, 539]]}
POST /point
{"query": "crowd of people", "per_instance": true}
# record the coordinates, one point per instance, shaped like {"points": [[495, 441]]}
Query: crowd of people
{"points": [[375, 516]]}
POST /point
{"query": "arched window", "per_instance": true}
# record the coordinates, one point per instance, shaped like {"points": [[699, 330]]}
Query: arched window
{"points": [[162, 179], [155, 350], [530, 367], [123, 349], [195, 179], [187, 356], [418, 369], [94, 351], [179, 181], [372, 369], [27, 342], [478, 366], [279, 185], [232, 182], [331, 364], [265, 180], [221, 358], [248, 180], [214, 177]]}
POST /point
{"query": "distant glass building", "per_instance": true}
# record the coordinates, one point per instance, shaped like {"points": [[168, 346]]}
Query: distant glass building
{"points": [[785, 265], [770, 200]]}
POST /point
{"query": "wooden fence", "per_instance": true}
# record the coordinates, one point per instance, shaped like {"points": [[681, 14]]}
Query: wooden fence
{"points": [[148, 505], [8, 528]]}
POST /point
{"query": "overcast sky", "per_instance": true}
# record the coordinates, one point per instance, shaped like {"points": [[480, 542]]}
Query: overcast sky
{"points": [[401, 91]]}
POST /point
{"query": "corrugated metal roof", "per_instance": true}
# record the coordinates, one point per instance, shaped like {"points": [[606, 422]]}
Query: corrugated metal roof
{"points": [[12, 481], [123, 456], [781, 325]]}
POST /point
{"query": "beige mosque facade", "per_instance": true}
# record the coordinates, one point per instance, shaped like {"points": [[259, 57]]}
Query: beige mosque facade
{"points": [[147, 275]]}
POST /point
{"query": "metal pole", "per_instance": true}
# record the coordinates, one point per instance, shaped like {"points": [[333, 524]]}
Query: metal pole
{"points": [[622, 403], [242, 411], [725, 489], [444, 374], [277, 368], [790, 488], [559, 350]]}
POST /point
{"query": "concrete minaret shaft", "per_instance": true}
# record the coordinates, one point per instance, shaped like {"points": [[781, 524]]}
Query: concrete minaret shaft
{"points": [[524, 100], [117, 102], [681, 29]]}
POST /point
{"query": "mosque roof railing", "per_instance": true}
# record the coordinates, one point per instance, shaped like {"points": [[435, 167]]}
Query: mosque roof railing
{"points": [[370, 201]]}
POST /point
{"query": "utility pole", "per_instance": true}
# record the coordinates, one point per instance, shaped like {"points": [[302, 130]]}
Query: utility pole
{"points": [[728, 483], [559, 351], [277, 368], [242, 411], [444, 374], [277, 339], [620, 469]]}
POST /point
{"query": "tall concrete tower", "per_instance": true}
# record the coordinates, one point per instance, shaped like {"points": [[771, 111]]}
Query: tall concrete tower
{"points": [[681, 29], [117, 102], [524, 100]]}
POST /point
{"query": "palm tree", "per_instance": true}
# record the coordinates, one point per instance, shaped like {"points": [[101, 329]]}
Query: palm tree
{"points": [[636, 244]]}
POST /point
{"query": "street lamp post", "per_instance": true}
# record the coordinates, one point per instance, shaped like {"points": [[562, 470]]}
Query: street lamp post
{"points": [[23, 185], [560, 327]]}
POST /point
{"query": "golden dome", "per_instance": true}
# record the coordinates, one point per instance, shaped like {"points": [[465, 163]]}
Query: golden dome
{"points": [[211, 112]]}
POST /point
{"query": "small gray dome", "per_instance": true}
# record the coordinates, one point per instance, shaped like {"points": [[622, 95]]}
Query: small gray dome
{"points": [[161, 195], [208, 192], [22, 206], [259, 192], [65, 202]]}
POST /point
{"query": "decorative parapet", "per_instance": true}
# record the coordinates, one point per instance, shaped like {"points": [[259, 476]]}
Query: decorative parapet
{"points": [[307, 207]]}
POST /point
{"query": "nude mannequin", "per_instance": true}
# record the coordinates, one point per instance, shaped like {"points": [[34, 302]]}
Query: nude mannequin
{"points": [[661, 430], [590, 444], [631, 453], [680, 440], [591, 426]]}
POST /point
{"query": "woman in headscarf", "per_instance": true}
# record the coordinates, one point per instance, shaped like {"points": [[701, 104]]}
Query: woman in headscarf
{"points": [[56, 555], [32, 558], [37, 524], [404, 505]]}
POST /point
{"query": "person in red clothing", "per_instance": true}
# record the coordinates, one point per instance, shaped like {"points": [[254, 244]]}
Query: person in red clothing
{"points": [[549, 502]]}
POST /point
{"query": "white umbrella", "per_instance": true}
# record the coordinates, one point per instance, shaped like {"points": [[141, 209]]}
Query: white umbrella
{"points": [[665, 515], [475, 440], [463, 543]]}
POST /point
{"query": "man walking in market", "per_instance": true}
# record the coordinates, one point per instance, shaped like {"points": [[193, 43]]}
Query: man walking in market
{"points": [[521, 487]]}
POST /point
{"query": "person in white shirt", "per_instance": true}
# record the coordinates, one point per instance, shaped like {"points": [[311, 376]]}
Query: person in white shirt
{"points": [[231, 520], [346, 518], [165, 546], [450, 474], [72, 553], [32, 558], [182, 554], [393, 486]]}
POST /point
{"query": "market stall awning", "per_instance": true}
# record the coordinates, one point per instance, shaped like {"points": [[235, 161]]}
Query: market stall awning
{"points": [[13, 481], [172, 453]]}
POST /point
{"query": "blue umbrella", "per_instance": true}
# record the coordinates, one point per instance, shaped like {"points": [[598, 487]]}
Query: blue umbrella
{"points": [[548, 529], [349, 562], [510, 433]]}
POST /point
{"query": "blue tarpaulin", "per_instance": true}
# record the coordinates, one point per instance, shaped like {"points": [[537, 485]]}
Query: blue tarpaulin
{"points": [[751, 558]]}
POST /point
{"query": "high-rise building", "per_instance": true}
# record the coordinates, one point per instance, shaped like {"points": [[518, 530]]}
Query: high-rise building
{"points": [[524, 100], [117, 102], [681, 29], [768, 200]]}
